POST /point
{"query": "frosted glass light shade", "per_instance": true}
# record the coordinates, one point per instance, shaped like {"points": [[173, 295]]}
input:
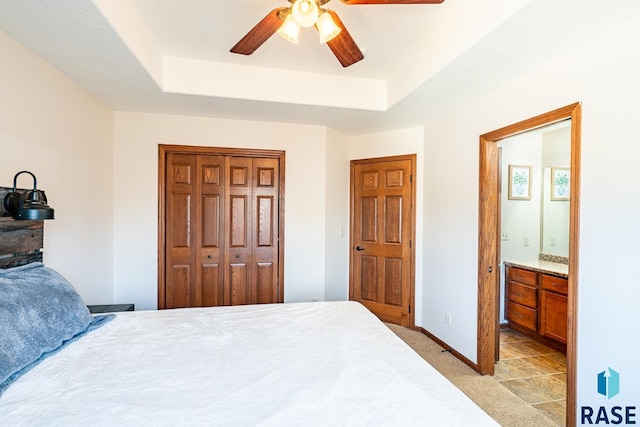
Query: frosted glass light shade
{"points": [[305, 12], [290, 29], [327, 28]]}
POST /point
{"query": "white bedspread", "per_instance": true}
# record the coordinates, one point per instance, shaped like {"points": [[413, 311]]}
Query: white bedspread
{"points": [[305, 364]]}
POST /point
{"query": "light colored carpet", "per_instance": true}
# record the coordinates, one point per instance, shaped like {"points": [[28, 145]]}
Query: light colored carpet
{"points": [[496, 400]]}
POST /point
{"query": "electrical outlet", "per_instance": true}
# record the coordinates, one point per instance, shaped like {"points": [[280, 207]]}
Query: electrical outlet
{"points": [[525, 241], [447, 318], [504, 235], [552, 241], [341, 232]]}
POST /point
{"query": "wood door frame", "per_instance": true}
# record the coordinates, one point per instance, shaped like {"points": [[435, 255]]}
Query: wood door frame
{"points": [[412, 284], [163, 150], [488, 262]]}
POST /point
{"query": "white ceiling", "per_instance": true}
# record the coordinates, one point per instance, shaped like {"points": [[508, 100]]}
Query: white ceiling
{"points": [[172, 56]]}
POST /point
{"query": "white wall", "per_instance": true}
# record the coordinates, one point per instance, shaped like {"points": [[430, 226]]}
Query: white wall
{"points": [[51, 127], [450, 224], [556, 146], [556, 152], [137, 136], [337, 218], [603, 77], [404, 141], [521, 218]]}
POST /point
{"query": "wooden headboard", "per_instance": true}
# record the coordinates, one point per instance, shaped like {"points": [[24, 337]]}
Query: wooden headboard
{"points": [[20, 241]]}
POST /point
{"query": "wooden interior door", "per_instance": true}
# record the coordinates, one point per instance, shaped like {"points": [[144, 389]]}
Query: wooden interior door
{"points": [[382, 232], [220, 231]]}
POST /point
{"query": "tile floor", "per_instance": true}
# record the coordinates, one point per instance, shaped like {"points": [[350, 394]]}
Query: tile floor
{"points": [[534, 372]]}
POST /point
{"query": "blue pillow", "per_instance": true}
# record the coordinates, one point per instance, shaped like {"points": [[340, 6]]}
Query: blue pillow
{"points": [[40, 312]]}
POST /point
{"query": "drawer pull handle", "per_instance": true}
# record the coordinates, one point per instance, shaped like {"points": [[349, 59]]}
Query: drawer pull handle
{"points": [[520, 294], [519, 276], [518, 314], [557, 285]]}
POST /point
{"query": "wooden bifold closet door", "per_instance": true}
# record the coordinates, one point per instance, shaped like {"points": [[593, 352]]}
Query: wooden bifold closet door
{"points": [[220, 228]]}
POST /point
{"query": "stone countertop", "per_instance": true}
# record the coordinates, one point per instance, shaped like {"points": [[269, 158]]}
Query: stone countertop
{"points": [[554, 268]]}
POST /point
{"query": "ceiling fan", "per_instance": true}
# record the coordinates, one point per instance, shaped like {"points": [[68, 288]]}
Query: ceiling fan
{"points": [[287, 21]]}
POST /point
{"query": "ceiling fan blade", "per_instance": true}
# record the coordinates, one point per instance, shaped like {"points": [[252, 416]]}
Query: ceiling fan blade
{"points": [[343, 46], [392, 1], [260, 33]]}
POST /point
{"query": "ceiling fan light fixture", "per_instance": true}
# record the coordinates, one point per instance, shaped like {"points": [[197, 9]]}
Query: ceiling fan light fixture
{"points": [[327, 29], [290, 29], [305, 12]]}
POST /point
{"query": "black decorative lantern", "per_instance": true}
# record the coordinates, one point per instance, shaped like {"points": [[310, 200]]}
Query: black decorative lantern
{"points": [[28, 204]]}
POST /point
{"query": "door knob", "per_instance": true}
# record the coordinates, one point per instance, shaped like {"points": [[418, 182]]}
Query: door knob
{"points": [[359, 248]]}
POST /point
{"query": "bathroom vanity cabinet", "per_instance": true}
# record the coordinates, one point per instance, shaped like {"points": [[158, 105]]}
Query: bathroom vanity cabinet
{"points": [[536, 304]]}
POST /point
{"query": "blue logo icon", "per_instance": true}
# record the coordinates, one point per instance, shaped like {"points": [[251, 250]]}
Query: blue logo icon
{"points": [[609, 383]]}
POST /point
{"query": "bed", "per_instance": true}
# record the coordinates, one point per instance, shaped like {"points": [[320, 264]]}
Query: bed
{"points": [[292, 364]]}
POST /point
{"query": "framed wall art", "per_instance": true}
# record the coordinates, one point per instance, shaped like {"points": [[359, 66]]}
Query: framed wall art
{"points": [[519, 182], [560, 180]]}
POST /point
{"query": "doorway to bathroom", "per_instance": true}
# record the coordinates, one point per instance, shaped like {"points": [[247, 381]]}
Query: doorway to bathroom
{"points": [[489, 242]]}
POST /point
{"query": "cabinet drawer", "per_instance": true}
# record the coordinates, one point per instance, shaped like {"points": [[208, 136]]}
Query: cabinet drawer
{"points": [[523, 276], [525, 295], [556, 284], [521, 315]]}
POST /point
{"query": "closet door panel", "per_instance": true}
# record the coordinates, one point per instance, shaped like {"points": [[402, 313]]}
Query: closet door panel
{"points": [[264, 249], [264, 285], [238, 222], [238, 246], [265, 214], [213, 290], [210, 229], [179, 247], [179, 292], [180, 229], [238, 281]]}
